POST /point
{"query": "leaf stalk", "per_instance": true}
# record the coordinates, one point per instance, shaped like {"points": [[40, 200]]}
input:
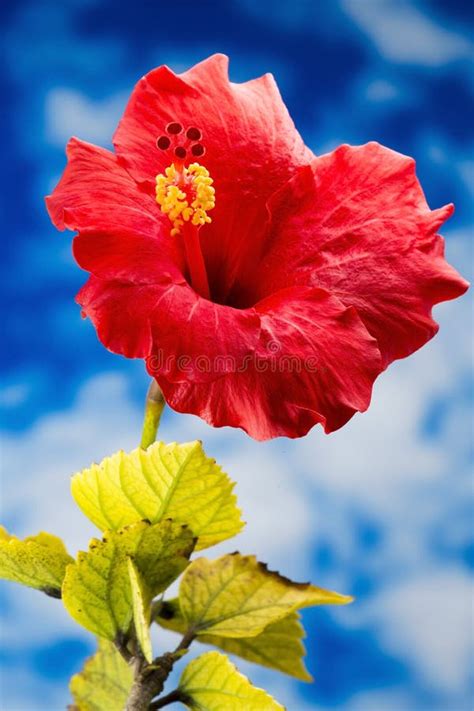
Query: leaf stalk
{"points": [[154, 406]]}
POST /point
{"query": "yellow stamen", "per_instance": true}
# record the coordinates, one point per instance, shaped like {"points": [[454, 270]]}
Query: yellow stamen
{"points": [[185, 195]]}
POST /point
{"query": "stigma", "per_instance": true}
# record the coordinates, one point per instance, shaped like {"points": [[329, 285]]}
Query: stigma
{"points": [[184, 192]]}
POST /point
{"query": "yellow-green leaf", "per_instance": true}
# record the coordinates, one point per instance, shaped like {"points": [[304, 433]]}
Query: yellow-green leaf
{"points": [[96, 590], [236, 596], [175, 481], [212, 683], [4, 535], [104, 683], [161, 553], [279, 646], [37, 561], [141, 610]]}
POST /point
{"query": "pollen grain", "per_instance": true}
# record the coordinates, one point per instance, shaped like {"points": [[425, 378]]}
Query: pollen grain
{"points": [[185, 194]]}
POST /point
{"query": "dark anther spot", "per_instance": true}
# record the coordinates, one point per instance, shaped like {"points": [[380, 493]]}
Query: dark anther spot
{"points": [[180, 152], [174, 128], [193, 133], [198, 150], [163, 143]]}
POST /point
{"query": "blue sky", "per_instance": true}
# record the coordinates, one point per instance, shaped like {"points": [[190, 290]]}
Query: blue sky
{"points": [[381, 509]]}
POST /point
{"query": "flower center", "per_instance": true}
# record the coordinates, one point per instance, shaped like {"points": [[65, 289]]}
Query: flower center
{"points": [[184, 193]]}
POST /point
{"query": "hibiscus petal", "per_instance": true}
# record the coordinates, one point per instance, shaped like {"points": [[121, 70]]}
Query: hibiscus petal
{"points": [[315, 363], [252, 148], [356, 222], [123, 234], [183, 336], [95, 192], [196, 340], [120, 254], [120, 312]]}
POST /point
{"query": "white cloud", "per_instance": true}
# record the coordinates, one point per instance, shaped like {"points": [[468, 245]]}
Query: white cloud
{"points": [[385, 700], [366, 461], [428, 621], [381, 455], [381, 90], [70, 113], [32, 619], [40, 461], [13, 395], [402, 33], [28, 693], [277, 511]]}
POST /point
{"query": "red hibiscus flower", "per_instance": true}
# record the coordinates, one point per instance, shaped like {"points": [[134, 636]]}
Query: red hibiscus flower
{"points": [[265, 287]]}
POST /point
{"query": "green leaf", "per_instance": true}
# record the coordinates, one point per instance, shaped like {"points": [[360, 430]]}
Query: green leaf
{"points": [[212, 683], [104, 683], [141, 610], [97, 591], [175, 481], [236, 596], [278, 647], [37, 561]]}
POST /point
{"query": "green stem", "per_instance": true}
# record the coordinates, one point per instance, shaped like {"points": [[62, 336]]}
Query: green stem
{"points": [[170, 698], [154, 405], [186, 642]]}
